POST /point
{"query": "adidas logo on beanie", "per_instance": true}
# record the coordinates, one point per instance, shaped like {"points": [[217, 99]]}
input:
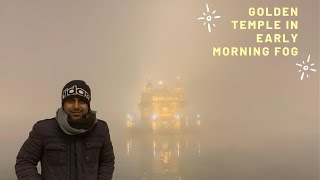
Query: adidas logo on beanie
{"points": [[76, 89]]}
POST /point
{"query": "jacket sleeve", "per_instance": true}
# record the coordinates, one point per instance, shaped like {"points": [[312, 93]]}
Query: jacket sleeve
{"points": [[106, 160], [28, 157]]}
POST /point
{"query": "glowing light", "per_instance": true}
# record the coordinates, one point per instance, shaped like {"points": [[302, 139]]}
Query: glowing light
{"points": [[198, 122], [129, 144], [154, 125], [129, 123], [154, 117]]}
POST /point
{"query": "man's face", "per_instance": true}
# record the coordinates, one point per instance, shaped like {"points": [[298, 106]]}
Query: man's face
{"points": [[75, 108]]}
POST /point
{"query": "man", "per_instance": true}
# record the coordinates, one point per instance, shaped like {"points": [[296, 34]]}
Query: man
{"points": [[74, 145]]}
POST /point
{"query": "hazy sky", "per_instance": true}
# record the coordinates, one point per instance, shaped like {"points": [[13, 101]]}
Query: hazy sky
{"points": [[116, 45]]}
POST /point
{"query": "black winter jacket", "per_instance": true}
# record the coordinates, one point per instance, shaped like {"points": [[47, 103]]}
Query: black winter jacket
{"points": [[88, 156]]}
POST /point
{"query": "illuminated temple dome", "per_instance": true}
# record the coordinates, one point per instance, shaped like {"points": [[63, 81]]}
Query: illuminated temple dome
{"points": [[162, 108]]}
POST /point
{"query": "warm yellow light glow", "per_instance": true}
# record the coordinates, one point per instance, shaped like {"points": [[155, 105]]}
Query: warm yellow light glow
{"points": [[154, 144], [198, 122], [177, 125], [154, 125], [129, 144], [129, 123]]}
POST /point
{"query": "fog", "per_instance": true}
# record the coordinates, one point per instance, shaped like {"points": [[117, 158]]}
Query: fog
{"points": [[259, 120]]}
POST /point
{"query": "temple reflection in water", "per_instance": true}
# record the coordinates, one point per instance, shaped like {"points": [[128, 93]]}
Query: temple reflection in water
{"points": [[164, 134]]}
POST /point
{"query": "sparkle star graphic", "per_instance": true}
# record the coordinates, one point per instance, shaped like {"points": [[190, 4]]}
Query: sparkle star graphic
{"points": [[305, 67], [208, 18]]}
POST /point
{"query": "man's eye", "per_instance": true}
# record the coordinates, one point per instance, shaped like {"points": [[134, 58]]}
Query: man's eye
{"points": [[81, 101]]}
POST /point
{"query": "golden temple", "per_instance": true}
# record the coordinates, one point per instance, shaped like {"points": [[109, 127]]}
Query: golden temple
{"points": [[162, 108]]}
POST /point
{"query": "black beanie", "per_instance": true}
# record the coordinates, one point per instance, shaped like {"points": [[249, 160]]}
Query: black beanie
{"points": [[76, 89]]}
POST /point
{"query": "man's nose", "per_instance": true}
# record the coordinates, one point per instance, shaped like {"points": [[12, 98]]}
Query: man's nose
{"points": [[76, 105]]}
